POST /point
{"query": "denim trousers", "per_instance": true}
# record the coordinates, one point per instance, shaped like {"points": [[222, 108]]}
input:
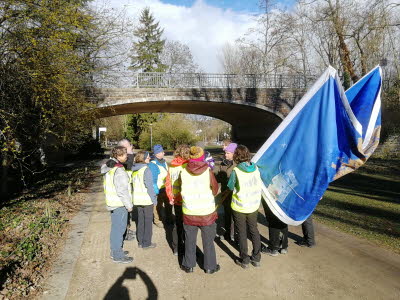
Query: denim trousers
{"points": [[119, 219]]}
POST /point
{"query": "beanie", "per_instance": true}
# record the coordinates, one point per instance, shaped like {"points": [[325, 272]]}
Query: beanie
{"points": [[196, 153], [231, 147], [157, 149]]}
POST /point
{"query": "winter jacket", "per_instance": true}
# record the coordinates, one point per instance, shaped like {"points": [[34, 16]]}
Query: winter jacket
{"points": [[121, 183], [174, 199], [148, 180], [197, 168], [223, 172], [155, 171], [247, 167]]}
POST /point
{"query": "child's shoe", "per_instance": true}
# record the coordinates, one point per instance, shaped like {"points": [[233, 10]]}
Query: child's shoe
{"points": [[283, 251], [125, 254], [255, 263], [130, 235], [269, 251], [242, 264], [152, 245], [304, 243], [123, 260]]}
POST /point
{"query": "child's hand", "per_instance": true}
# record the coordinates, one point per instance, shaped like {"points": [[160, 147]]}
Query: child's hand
{"points": [[129, 209]]}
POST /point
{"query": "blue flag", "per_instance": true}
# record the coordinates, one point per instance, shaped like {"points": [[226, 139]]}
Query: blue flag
{"points": [[328, 134]]}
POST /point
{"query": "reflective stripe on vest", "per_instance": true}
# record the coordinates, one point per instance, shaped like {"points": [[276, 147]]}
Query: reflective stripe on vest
{"points": [[174, 172], [196, 192], [140, 195], [248, 198], [161, 176], [110, 192]]}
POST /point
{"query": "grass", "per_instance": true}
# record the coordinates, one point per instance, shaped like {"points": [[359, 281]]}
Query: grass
{"points": [[366, 203], [33, 224]]}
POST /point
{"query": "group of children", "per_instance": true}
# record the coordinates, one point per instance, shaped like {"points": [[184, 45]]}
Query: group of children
{"points": [[189, 191]]}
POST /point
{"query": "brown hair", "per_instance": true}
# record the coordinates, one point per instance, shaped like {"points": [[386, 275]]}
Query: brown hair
{"points": [[242, 154], [141, 156], [182, 151], [226, 142], [118, 151]]}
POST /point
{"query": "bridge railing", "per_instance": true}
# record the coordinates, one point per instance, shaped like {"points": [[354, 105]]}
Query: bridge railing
{"points": [[203, 80]]}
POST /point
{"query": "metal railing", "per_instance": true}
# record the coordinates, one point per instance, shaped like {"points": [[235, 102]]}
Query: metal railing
{"points": [[202, 80]]}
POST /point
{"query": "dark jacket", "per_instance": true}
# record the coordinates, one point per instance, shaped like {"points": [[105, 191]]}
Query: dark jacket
{"points": [[223, 172], [197, 168], [129, 161]]}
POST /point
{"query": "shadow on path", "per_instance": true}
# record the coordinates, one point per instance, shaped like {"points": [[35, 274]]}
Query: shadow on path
{"points": [[119, 291]]}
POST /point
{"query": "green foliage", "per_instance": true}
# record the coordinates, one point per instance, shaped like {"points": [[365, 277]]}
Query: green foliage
{"points": [[31, 227], [346, 80], [149, 45], [138, 123], [171, 131], [43, 73]]}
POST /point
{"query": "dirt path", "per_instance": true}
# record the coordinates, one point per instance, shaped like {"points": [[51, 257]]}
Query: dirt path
{"points": [[340, 267]]}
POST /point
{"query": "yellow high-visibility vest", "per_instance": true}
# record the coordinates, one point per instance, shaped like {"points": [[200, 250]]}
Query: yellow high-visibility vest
{"points": [[110, 192], [140, 195], [161, 176], [174, 172], [248, 198], [196, 192]]}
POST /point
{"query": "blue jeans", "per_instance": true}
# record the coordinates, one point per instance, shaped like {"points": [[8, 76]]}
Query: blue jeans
{"points": [[119, 219]]}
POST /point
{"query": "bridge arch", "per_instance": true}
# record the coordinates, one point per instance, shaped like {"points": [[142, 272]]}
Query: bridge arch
{"points": [[253, 113]]}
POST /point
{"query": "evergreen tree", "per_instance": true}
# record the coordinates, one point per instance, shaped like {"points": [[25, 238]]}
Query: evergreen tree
{"points": [[149, 45], [139, 123]]}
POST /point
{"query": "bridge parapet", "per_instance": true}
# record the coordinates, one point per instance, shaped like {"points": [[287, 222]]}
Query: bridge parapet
{"points": [[201, 80]]}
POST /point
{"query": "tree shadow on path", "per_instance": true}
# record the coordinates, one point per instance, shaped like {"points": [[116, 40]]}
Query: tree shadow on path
{"points": [[121, 292]]}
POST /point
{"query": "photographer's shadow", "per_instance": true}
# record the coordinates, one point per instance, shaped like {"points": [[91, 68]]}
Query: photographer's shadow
{"points": [[121, 292]]}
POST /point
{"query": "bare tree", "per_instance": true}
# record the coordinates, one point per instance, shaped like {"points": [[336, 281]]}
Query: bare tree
{"points": [[178, 58]]}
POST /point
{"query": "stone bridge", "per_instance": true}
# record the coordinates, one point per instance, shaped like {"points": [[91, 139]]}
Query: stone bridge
{"points": [[253, 112]]}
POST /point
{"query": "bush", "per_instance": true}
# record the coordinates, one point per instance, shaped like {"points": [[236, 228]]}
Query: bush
{"points": [[170, 131]]}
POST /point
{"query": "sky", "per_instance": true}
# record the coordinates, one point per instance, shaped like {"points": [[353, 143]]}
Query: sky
{"points": [[204, 25]]}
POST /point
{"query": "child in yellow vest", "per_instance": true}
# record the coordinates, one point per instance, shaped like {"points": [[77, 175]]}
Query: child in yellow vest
{"points": [[173, 189], [117, 190], [245, 182], [144, 198], [198, 189]]}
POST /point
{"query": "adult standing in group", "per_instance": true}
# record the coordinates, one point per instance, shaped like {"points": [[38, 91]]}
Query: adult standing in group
{"points": [[198, 188], [129, 150], [222, 173], [159, 169], [129, 234]]}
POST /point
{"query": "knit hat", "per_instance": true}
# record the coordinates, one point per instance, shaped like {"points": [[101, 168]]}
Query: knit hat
{"points": [[231, 147], [157, 149], [196, 153]]}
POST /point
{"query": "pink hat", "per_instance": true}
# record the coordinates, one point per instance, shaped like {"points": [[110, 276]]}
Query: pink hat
{"points": [[231, 147]]}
